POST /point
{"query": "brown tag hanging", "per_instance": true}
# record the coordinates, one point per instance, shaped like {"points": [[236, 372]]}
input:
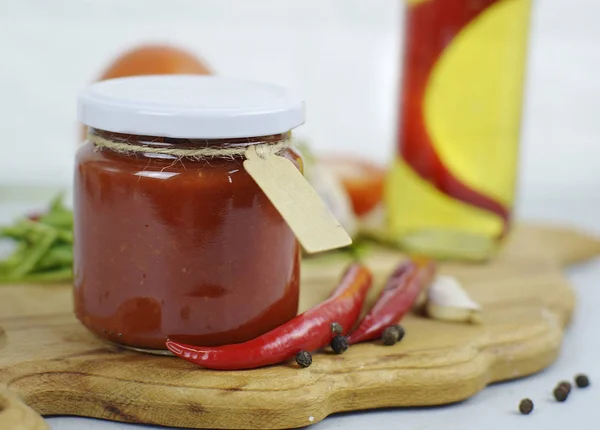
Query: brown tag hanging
{"points": [[298, 203]]}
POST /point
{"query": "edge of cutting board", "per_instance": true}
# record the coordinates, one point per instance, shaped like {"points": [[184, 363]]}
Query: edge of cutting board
{"points": [[58, 368]]}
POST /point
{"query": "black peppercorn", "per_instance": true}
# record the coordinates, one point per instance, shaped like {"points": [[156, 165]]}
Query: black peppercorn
{"points": [[336, 328], [526, 406], [565, 385], [401, 332], [304, 359], [582, 381], [560, 394], [339, 344], [392, 334]]}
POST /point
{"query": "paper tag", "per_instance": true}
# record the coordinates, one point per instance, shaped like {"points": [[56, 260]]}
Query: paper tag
{"points": [[298, 203]]}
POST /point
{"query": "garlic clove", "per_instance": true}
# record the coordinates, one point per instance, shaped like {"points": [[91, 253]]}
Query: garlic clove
{"points": [[446, 313], [447, 300]]}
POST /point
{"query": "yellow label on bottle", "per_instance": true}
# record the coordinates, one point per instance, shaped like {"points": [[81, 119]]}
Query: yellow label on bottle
{"points": [[472, 106]]}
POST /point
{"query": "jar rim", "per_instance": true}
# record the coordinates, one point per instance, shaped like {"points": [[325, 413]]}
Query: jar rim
{"points": [[189, 107]]}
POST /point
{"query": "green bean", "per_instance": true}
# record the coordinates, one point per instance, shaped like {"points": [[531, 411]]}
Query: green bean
{"points": [[44, 249], [62, 274], [65, 236], [56, 203], [16, 232], [26, 230], [56, 257], [14, 259], [34, 253], [59, 219]]}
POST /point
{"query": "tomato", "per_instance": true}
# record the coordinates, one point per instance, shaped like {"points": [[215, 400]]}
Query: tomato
{"points": [[363, 180], [153, 60]]}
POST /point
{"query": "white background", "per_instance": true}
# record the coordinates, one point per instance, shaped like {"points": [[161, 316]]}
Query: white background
{"points": [[342, 55]]}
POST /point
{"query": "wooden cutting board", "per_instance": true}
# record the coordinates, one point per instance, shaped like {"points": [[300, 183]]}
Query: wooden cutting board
{"points": [[56, 367]]}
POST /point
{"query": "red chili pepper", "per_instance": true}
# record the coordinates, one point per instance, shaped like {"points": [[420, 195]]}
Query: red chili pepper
{"points": [[398, 296], [308, 331]]}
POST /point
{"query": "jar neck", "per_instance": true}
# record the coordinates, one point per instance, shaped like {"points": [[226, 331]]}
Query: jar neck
{"points": [[168, 142]]}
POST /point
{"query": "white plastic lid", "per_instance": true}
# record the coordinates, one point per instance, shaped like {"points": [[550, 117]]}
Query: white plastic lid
{"points": [[189, 106]]}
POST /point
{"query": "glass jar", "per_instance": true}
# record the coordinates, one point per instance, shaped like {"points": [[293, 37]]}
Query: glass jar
{"points": [[171, 246]]}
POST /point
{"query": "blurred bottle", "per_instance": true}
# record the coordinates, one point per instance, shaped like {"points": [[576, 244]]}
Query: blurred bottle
{"points": [[451, 189]]}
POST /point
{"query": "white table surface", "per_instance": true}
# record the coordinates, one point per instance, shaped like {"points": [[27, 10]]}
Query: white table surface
{"points": [[496, 406]]}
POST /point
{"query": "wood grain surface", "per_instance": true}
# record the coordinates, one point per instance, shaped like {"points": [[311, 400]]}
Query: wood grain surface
{"points": [[51, 362]]}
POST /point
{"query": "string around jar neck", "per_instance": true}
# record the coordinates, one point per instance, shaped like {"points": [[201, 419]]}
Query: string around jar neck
{"points": [[263, 148]]}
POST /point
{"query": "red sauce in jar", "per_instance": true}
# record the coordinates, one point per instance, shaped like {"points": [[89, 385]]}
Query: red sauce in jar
{"points": [[187, 249]]}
